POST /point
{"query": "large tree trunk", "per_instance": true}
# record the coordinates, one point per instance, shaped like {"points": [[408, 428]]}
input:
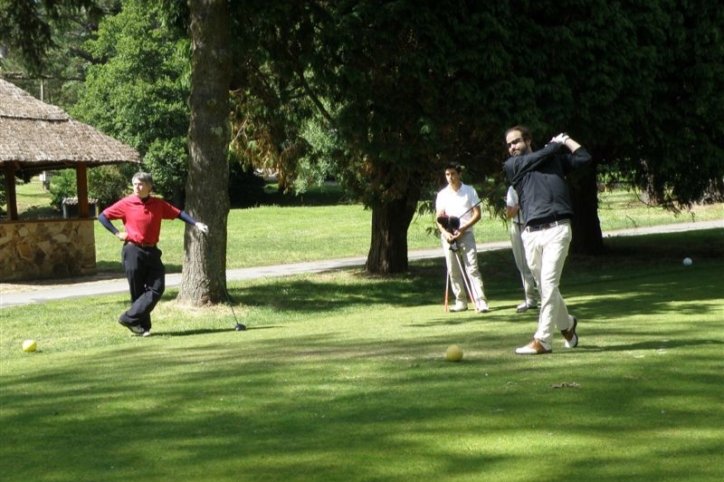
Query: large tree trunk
{"points": [[390, 222], [207, 195], [587, 235]]}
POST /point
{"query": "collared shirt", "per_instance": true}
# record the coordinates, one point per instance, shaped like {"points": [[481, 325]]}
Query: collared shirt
{"points": [[511, 200], [457, 203], [142, 218]]}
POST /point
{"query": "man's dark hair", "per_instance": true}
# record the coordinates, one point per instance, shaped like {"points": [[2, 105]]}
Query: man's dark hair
{"points": [[454, 165], [524, 132]]}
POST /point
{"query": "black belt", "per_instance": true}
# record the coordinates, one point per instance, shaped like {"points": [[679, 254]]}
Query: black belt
{"points": [[540, 227], [144, 245]]}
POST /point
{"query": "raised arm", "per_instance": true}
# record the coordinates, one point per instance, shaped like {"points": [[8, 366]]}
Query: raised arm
{"points": [[517, 166]]}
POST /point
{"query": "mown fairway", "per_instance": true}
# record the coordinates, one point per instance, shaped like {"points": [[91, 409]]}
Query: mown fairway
{"points": [[342, 377]]}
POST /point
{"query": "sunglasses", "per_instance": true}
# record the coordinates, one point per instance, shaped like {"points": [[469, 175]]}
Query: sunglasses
{"points": [[514, 141]]}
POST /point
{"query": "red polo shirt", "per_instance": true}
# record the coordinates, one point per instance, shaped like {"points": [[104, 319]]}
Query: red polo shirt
{"points": [[142, 219]]}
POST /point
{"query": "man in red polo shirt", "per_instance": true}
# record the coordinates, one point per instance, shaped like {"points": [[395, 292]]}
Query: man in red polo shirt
{"points": [[141, 215]]}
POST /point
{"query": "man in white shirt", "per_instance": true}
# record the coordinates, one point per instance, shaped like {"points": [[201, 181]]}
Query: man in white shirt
{"points": [[457, 210]]}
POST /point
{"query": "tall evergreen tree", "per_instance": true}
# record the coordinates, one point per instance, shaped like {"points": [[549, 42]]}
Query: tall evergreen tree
{"points": [[138, 89]]}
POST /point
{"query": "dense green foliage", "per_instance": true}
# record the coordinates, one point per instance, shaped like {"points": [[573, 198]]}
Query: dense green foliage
{"points": [[404, 84], [138, 92], [33, 29], [379, 94], [681, 142], [106, 184]]}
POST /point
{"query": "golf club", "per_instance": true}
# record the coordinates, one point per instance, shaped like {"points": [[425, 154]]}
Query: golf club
{"points": [[452, 223], [447, 290], [239, 326], [464, 276]]}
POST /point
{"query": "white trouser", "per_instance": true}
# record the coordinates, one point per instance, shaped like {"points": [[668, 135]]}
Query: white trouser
{"points": [[467, 254], [520, 261], [546, 252]]}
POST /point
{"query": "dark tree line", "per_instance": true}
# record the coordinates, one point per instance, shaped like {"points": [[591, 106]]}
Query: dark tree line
{"points": [[383, 93]]}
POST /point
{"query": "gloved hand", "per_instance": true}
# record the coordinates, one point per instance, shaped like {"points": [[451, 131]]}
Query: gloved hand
{"points": [[560, 138], [202, 227]]}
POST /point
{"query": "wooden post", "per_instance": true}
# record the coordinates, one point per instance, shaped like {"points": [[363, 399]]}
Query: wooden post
{"points": [[10, 193], [81, 171]]}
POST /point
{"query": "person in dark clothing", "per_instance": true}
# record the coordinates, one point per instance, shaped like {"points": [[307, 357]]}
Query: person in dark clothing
{"points": [[142, 214], [539, 179]]}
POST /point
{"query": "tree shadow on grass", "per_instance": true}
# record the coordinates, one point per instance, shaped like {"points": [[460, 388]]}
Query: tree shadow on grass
{"points": [[320, 296], [610, 294], [211, 331], [652, 345]]}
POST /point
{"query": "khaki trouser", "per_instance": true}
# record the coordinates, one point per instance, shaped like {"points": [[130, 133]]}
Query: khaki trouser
{"points": [[467, 254], [546, 251], [526, 276]]}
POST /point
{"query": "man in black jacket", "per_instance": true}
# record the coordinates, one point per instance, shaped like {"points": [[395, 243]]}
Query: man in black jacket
{"points": [[539, 179]]}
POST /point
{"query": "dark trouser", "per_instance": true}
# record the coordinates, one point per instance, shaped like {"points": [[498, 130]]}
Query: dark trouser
{"points": [[146, 280]]}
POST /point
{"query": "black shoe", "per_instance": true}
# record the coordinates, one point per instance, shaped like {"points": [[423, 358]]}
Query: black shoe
{"points": [[570, 334], [134, 328]]}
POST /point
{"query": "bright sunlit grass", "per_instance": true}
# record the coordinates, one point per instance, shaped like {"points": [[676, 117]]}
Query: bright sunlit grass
{"points": [[276, 234]]}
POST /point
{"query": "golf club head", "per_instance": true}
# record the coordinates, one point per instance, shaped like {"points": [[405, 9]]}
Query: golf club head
{"points": [[450, 223], [444, 221], [240, 327]]}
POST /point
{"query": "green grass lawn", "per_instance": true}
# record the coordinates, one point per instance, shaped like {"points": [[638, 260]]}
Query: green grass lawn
{"points": [[312, 227], [270, 235], [342, 377]]}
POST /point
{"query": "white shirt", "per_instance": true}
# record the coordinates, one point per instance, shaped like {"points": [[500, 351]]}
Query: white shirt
{"points": [[511, 199], [457, 203]]}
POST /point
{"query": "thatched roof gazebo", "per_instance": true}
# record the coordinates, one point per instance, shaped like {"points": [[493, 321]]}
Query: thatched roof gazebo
{"points": [[37, 137]]}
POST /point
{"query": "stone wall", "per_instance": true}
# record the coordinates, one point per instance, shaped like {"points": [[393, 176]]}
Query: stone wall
{"points": [[46, 249]]}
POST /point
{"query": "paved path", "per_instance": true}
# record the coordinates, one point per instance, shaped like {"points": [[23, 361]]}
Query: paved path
{"points": [[48, 292]]}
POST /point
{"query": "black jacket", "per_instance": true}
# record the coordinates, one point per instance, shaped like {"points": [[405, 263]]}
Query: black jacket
{"points": [[539, 179]]}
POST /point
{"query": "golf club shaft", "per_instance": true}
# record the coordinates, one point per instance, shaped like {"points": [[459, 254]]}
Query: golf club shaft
{"points": [[239, 326], [447, 289], [466, 282], [471, 208]]}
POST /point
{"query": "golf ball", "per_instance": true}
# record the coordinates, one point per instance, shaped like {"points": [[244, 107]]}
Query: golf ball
{"points": [[29, 345], [687, 261], [454, 353]]}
